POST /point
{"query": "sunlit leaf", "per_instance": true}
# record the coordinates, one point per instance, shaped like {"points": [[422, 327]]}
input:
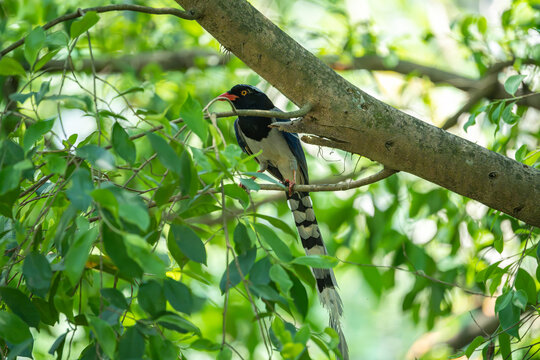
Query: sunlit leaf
{"points": [[104, 334], [33, 44], [83, 24], [9, 67], [512, 83], [78, 253], [191, 113]]}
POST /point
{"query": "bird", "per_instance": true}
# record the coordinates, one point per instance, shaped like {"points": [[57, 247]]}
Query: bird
{"points": [[283, 157]]}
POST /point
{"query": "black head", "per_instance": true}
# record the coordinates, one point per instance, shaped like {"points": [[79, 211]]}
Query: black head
{"points": [[248, 97]]}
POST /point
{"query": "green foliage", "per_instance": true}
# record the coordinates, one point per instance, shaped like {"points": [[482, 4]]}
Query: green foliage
{"points": [[122, 224]]}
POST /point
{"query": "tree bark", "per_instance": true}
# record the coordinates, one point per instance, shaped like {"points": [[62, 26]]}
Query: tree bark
{"points": [[359, 123]]}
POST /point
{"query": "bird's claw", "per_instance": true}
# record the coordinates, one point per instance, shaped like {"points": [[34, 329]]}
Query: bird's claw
{"points": [[290, 184]]}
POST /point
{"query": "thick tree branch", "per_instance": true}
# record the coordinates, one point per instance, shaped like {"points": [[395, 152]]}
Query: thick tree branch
{"points": [[364, 125], [101, 9]]}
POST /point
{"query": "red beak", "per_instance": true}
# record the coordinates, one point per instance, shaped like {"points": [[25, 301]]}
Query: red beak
{"points": [[228, 96]]}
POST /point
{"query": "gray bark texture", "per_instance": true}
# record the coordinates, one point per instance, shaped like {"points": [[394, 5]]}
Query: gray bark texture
{"points": [[347, 118]]}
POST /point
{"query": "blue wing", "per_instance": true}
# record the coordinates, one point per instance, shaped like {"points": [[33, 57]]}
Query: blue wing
{"points": [[240, 139]]}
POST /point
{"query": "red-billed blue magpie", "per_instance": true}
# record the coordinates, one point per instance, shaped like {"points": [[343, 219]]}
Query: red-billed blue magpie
{"points": [[282, 155]]}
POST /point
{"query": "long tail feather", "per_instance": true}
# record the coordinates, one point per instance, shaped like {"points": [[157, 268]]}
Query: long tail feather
{"points": [[308, 229]]}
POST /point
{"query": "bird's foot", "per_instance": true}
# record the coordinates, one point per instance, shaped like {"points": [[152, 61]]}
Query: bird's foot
{"points": [[290, 184]]}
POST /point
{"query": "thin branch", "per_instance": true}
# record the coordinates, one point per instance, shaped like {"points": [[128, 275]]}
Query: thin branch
{"points": [[191, 15], [265, 113], [341, 186]]}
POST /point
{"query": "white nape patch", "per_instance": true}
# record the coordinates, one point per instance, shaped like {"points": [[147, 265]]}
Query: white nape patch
{"points": [[310, 214], [306, 201], [293, 204], [299, 216]]}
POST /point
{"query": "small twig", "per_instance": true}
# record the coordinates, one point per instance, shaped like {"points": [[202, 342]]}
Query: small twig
{"points": [[265, 113], [383, 174], [101, 9]]}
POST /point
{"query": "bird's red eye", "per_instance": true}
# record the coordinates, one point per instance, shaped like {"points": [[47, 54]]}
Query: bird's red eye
{"points": [[243, 92]]}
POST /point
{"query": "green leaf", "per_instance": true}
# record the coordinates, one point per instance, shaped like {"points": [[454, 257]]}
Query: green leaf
{"points": [[508, 116], [503, 301], [188, 175], [106, 199], [151, 297], [479, 340], [13, 329], [122, 144], [37, 273], [191, 113], [43, 90], [114, 297], [504, 346], [277, 223], [165, 153], [131, 345], [97, 156], [9, 179], [45, 59], [317, 261], [495, 115], [20, 305], [58, 345], [83, 24], [260, 272], [78, 253], [236, 192], [242, 240], [225, 354], [81, 186], [116, 249], [525, 282], [512, 83], [520, 299], [132, 208], [189, 243], [140, 250], [11, 67], [204, 345], [509, 319], [36, 132], [280, 277], [178, 295], [33, 44], [270, 238], [178, 323], [232, 277], [520, 154], [250, 184], [104, 334], [266, 292]]}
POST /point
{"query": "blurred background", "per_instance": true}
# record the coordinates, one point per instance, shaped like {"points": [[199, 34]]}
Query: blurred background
{"points": [[420, 267]]}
